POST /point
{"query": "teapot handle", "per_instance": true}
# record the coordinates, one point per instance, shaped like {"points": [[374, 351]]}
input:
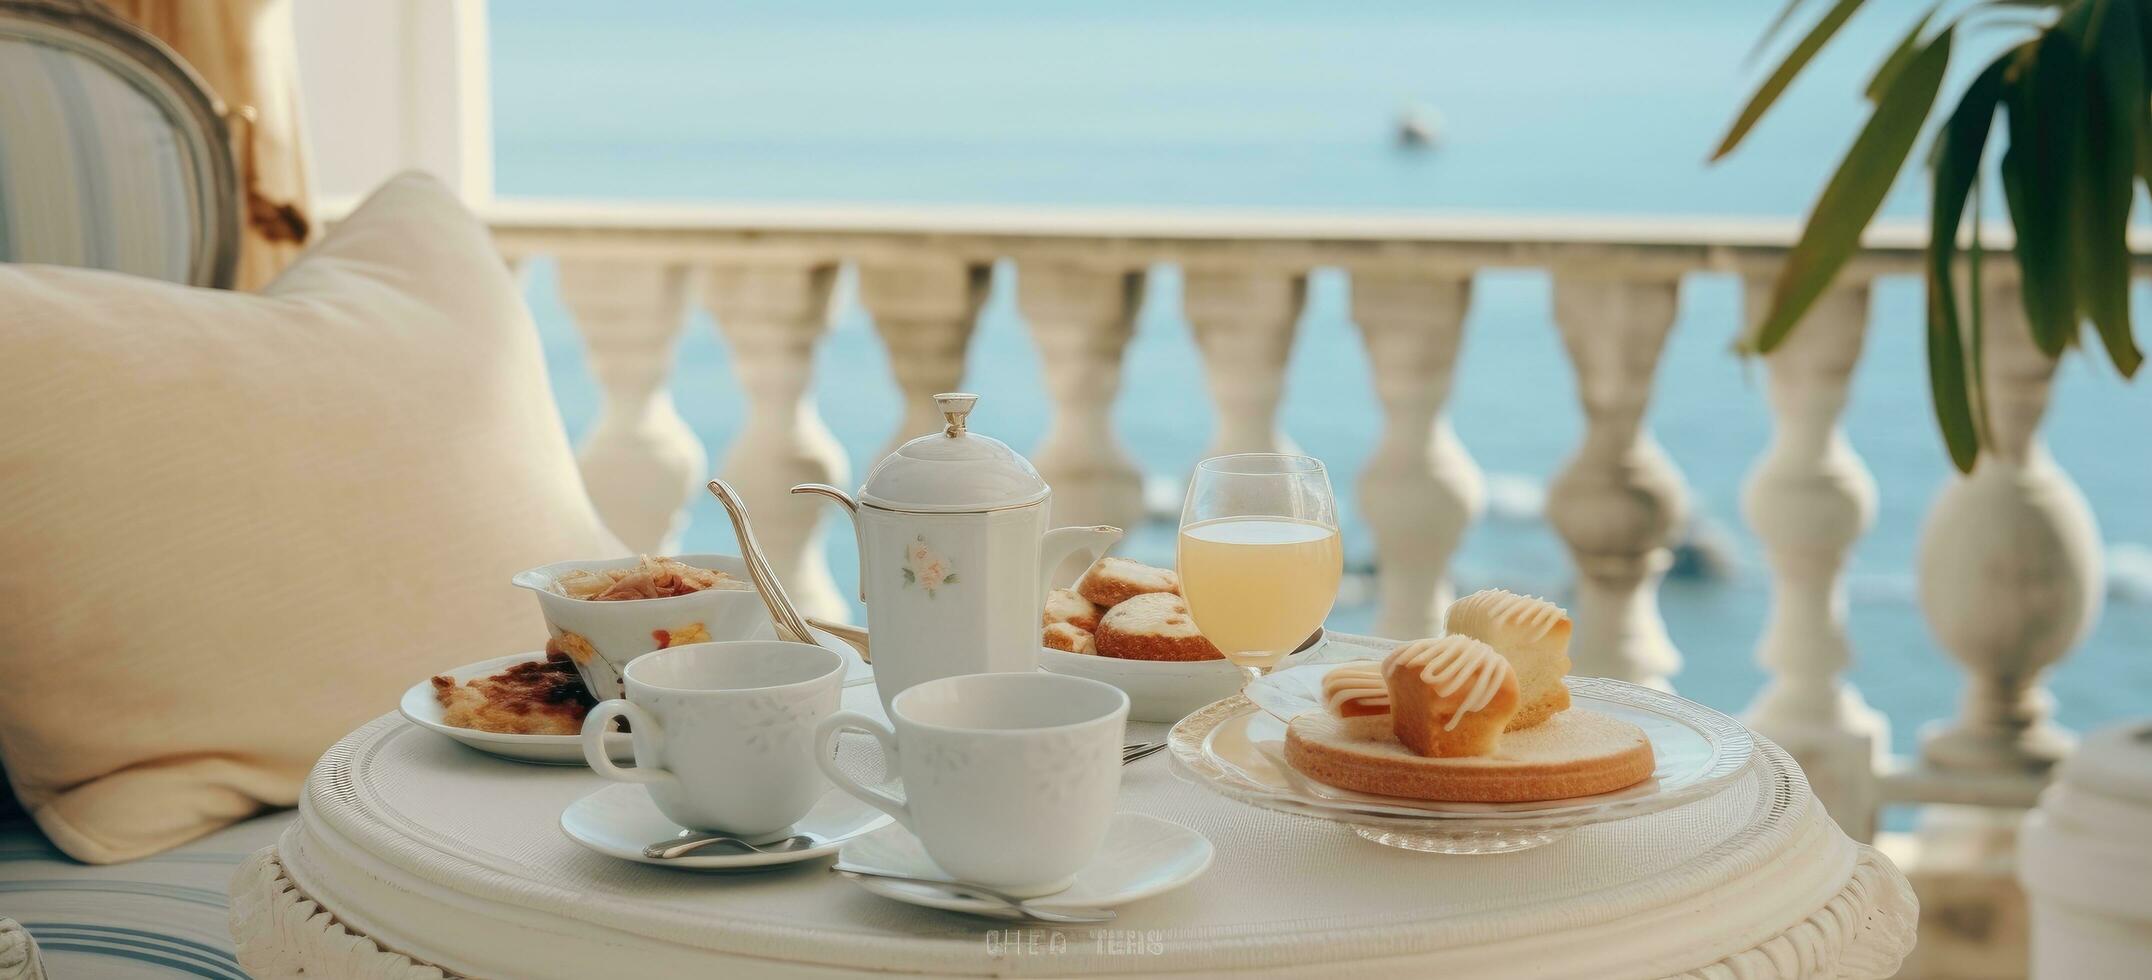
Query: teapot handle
{"points": [[851, 510]]}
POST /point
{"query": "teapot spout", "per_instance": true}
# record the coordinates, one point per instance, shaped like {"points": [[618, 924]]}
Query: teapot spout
{"points": [[1062, 542]]}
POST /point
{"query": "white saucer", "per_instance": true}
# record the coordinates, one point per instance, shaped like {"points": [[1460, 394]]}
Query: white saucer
{"points": [[620, 821], [1141, 857], [424, 710]]}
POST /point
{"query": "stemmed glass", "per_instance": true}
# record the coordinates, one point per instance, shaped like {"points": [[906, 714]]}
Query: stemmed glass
{"points": [[1260, 557]]}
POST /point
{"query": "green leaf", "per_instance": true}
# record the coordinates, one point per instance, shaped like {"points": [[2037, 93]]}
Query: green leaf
{"points": [[1899, 56], [1976, 266], [1957, 164], [1850, 200], [1778, 24], [2104, 190], [1796, 60], [2046, 116]]}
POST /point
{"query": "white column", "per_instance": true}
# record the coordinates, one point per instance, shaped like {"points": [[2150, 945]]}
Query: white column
{"points": [[1619, 502], [1420, 489], [1082, 317], [1243, 320], [2010, 567], [773, 314], [1809, 498], [925, 312], [640, 461]]}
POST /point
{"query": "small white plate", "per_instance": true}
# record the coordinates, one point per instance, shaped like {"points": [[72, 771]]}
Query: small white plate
{"points": [[1142, 856], [421, 707], [620, 821]]}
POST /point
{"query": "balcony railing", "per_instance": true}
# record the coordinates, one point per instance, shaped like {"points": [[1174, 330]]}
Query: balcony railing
{"points": [[629, 273]]}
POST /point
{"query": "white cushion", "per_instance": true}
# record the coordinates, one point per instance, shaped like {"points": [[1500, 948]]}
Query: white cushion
{"points": [[236, 526]]}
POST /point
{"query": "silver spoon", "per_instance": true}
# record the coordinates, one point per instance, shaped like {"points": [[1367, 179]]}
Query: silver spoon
{"points": [[782, 612], [1012, 903], [692, 841], [1140, 750]]}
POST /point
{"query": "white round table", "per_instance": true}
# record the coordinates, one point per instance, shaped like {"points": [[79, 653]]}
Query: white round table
{"points": [[414, 856]]}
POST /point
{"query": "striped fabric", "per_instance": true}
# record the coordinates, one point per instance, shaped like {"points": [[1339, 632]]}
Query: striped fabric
{"points": [[91, 169], [163, 916]]}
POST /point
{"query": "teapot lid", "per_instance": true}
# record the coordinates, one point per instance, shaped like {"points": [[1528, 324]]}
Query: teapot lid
{"points": [[955, 470]]}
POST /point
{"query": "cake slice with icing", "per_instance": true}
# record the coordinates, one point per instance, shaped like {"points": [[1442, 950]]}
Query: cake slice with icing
{"points": [[1449, 696], [1357, 694], [1533, 635]]}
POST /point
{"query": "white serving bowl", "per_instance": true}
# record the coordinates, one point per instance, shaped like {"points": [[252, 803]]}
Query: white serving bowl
{"points": [[624, 629], [1164, 690]]}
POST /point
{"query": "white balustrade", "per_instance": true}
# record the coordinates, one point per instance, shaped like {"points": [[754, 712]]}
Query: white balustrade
{"points": [[925, 312], [1809, 498], [640, 461], [1082, 316], [1420, 489], [1243, 320], [773, 313], [2010, 568], [1619, 503]]}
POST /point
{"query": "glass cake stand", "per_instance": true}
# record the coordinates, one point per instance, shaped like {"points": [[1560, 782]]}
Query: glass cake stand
{"points": [[1237, 749]]}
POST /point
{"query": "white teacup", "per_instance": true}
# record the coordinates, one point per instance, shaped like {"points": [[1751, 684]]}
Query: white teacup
{"points": [[724, 733], [1009, 779]]}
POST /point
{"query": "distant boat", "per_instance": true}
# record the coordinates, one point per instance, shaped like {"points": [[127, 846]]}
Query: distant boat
{"points": [[1418, 128]]}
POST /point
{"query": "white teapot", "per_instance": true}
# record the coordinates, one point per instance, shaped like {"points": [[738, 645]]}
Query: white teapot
{"points": [[954, 554]]}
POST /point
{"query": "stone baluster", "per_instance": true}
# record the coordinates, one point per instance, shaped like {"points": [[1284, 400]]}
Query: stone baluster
{"points": [[2010, 566], [1619, 503], [1809, 498], [773, 314], [925, 312], [1420, 489], [1082, 317], [640, 461], [1243, 320]]}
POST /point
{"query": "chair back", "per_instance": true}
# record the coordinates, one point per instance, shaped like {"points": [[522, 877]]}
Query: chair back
{"points": [[113, 154]]}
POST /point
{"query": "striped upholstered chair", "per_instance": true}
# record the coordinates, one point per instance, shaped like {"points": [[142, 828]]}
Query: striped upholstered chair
{"points": [[113, 155]]}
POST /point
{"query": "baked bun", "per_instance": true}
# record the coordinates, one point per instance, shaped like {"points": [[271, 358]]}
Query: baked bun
{"points": [[1153, 626], [1356, 693], [1576, 753], [1069, 637], [1449, 696], [1112, 581], [1066, 606], [1532, 634]]}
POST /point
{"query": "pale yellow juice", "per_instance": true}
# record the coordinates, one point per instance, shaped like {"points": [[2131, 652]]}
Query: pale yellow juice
{"points": [[1257, 586]]}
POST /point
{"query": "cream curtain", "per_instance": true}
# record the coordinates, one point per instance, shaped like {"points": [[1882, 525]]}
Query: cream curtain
{"points": [[244, 50]]}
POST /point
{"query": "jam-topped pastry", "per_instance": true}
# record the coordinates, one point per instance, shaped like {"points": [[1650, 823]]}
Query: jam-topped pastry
{"points": [[1449, 696], [1357, 694], [1533, 635]]}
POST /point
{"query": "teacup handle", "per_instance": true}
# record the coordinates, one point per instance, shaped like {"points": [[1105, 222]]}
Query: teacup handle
{"points": [[599, 722], [825, 735]]}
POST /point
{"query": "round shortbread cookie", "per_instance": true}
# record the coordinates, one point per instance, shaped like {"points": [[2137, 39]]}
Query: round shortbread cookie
{"points": [[1575, 753], [1153, 626], [1068, 637], [1066, 606], [1112, 581]]}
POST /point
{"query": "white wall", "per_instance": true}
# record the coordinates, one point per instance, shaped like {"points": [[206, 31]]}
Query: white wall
{"points": [[391, 85]]}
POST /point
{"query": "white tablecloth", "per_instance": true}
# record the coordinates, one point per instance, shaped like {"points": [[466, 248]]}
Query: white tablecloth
{"points": [[414, 853]]}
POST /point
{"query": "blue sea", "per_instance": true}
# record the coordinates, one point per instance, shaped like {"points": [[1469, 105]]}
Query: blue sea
{"points": [[1552, 107]]}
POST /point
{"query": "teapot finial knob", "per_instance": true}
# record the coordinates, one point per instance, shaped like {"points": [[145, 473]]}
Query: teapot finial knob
{"points": [[954, 406]]}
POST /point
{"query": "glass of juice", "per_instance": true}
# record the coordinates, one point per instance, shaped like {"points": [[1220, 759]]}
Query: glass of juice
{"points": [[1259, 554]]}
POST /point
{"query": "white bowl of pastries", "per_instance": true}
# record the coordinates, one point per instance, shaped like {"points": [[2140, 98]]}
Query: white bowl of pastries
{"points": [[1125, 623], [603, 613]]}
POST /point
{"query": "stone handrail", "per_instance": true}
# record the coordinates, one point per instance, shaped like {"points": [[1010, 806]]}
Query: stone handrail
{"points": [[629, 272]]}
